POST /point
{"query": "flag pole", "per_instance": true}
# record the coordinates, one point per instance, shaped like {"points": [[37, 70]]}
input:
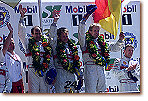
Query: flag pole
{"points": [[40, 13], [121, 29]]}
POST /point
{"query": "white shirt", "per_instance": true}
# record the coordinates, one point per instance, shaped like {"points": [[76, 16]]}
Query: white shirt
{"points": [[5, 83], [1, 56], [13, 63], [97, 45], [69, 53]]}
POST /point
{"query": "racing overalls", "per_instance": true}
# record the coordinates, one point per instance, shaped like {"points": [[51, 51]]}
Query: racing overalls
{"points": [[127, 79], [64, 78], [36, 84], [94, 77]]}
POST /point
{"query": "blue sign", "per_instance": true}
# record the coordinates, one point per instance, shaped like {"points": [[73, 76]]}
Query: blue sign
{"points": [[4, 17]]}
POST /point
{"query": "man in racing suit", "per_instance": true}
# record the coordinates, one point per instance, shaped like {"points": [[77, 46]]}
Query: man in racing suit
{"points": [[127, 71], [36, 83], [94, 76], [5, 83], [64, 77]]}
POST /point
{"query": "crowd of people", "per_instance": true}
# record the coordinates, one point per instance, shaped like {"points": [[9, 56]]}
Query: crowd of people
{"points": [[54, 60]]}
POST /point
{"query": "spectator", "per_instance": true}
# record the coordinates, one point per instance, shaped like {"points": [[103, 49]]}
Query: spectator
{"points": [[5, 83]]}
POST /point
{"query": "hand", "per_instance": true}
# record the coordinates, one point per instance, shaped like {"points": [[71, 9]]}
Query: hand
{"points": [[90, 10], [132, 67], [10, 27], [22, 10], [121, 36], [53, 82], [55, 14]]}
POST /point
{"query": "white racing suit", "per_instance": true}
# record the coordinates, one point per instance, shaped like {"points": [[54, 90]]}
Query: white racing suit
{"points": [[36, 84], [119, 70], [5, 83], [64, 78], [94, 76]]}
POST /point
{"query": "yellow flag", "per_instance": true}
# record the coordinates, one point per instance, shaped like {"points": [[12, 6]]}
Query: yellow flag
{"points": [[111, 22], [115, 8], [11, 3]]}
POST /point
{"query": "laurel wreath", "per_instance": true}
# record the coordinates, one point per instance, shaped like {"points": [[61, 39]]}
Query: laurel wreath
{"points": [[102, 58], [34, 49], [62, 57]]}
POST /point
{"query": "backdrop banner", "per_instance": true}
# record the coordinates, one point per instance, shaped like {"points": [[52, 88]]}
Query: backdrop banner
{"points": [[71, 14]]}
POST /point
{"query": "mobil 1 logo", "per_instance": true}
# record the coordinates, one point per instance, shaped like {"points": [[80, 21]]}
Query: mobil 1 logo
{"points": [[31, 9], [77, 12], [28, 20], [127, 14], [126, 19]]}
